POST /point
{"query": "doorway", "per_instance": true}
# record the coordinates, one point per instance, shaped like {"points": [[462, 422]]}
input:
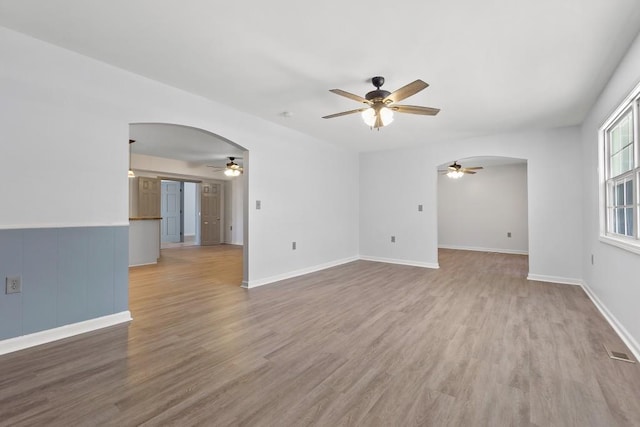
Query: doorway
{"points": [[486, 208], [203, 206], [179, 212]]}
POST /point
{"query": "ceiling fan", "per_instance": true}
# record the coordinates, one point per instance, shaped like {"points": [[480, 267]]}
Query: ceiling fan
{"points": [[456, 170], [231, 168], [381, 104]]}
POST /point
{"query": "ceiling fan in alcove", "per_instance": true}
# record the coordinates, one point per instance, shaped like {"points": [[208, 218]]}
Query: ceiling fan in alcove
{"points": [[231, 168], [381, 104], [456, 170]]}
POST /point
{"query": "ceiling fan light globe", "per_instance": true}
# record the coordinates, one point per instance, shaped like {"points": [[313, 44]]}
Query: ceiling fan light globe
{"points": [[228, 172], [386, 115], [455, 174], [369, 117], [370, 114]]}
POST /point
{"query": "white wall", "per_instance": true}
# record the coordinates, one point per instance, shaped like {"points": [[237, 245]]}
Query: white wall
{"points": [[67, 119], [476, 212], [389, 199], [614, 276], [190, 213], [389, 196]]}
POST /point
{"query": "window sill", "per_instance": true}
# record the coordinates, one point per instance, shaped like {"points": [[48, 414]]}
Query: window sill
{"points": [[622, 244]]}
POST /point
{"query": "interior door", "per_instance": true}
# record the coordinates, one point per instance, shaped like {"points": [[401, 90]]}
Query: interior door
{"points": [[210, 214], [171, 212]]}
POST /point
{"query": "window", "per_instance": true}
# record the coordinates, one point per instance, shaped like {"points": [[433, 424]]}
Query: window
{"points": [[620, 175]]}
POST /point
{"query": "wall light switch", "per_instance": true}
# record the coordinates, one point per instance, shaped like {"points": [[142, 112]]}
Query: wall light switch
{"points": [[419, 208], [293, 245], [14, 285], [393, 239], [258, 204], [508, 234]]}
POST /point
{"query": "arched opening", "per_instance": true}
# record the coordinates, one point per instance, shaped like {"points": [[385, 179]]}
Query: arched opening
{"points": [[484, 205], [179, 171]]}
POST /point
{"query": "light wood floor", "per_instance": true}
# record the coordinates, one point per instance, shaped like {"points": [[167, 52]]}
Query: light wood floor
{"points": [[471, 344]]}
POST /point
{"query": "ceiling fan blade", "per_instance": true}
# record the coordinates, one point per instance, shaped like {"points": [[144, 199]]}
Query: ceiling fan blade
{"points": [[350, 95], [414, 109], [475, 168], [344, 113], [406, 91], [467, 171]]}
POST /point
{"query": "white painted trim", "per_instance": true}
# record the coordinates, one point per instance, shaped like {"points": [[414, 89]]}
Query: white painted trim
{"points": [[143, 264], [39, 226], [19, 343], [234, 244], [261, 282], [477, 249], [400, 261], [555, 279], [622, 332], [628, 245]]}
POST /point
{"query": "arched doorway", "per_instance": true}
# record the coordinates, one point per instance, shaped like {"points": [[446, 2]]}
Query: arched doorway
{"points": [[172, 153]]}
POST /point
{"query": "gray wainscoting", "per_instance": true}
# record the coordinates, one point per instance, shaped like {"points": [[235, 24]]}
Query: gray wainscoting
{"points": [[68, 275]]}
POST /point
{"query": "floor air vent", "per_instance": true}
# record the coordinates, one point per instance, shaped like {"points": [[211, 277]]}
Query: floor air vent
{"points": [[618, 355]]}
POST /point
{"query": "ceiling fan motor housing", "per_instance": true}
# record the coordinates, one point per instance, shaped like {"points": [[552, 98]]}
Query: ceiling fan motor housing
{"points": [[377, 95]]}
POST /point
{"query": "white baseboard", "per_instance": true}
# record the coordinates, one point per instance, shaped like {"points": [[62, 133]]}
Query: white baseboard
{"points": [[261, 282], [143, 264], [19, 343], [555, 279], [622, 332], [479, 249], [400, 261]]}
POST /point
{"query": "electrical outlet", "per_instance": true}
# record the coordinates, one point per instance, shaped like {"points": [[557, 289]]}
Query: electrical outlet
{"points": [[592, 259], [14, 285], [508, 234], [293, 246], [258, 204], [393, 239]]}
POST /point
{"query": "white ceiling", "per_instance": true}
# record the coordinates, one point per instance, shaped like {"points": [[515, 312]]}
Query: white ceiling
{"points": [[493, 66]]}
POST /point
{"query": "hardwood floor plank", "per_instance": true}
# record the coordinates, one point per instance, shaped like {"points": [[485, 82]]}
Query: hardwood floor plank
{"points": [[365, 343]]}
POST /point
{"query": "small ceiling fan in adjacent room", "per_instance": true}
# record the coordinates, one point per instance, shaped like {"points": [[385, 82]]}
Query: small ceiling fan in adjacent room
{"points": [[456, 170], [381, 104], [231, 168]]}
